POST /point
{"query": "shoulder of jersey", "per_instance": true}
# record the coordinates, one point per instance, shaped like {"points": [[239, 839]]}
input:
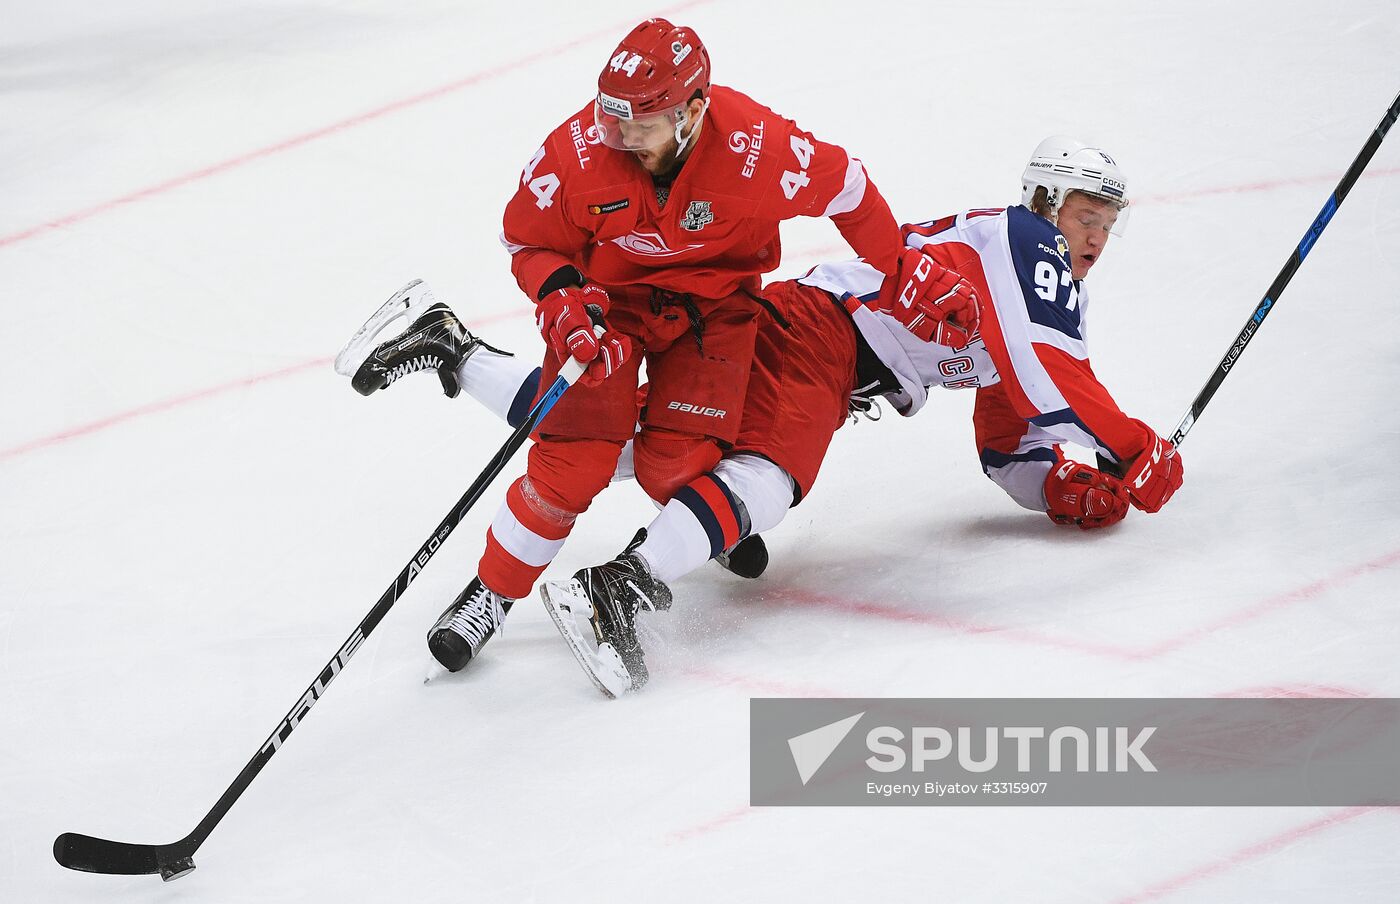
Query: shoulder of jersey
{"points": [[748, 132], [1035, 237], [1040, 257], [953, 227]]}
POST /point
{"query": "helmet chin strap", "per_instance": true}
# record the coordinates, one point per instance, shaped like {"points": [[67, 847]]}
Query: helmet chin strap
{"points": [[683, 140]]}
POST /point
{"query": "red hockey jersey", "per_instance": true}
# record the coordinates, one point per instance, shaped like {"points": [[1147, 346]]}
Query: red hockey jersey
{"points": [[584, 204]]}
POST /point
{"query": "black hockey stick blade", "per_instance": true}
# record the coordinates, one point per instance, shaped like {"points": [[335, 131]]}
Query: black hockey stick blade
{"points": [[99, 855]]}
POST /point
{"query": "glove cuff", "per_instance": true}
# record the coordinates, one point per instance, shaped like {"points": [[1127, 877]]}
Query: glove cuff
{"points": [[562, 278]]}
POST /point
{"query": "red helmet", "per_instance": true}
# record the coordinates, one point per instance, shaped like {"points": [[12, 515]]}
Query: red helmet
{"points": [[656, 68]]}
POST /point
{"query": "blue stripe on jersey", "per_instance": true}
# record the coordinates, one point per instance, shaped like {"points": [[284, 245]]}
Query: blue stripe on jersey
{"points": [[1040, 256], [991, 458], [1067, 416], [524, 396]]}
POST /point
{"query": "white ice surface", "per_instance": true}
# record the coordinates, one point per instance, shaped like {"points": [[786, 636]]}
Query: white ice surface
{"points": [[169, 582]]}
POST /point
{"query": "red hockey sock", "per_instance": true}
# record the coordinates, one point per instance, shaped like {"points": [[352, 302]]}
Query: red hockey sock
{"points": [[539, 510], [523, 539]]}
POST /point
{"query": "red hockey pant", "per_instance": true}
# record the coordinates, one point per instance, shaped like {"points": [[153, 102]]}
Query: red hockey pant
{"points": [[698, 364]]}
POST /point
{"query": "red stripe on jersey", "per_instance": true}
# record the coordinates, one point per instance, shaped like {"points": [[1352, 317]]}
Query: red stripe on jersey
{"points": [[996, 423], [1092, 403], [933, 228]]}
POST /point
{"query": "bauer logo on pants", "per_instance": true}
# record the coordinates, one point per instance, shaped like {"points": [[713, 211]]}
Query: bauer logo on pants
{"points": [[703, 411], [1059, 752]]}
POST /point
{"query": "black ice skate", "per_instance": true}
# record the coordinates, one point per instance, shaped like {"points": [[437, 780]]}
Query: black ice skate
{"points": [[464, 627], [434, 340], [608, 597], [748, 558]]}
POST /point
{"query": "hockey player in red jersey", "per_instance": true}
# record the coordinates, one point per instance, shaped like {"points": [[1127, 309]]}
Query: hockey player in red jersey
{"points": [[847, 333], [1027, 358], [646, 218], [1024, 351]]}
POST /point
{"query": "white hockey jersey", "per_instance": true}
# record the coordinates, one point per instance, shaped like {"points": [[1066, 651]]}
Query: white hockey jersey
{"points": [[1029, 362]]}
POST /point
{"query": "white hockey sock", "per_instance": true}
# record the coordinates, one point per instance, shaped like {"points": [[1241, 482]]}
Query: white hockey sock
{"points": [[744, 494], [499, 382], [766, 489], [506, 385]]}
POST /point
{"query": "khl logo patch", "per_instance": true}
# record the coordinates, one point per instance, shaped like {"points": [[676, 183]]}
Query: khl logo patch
{"points": [[697, 216]]}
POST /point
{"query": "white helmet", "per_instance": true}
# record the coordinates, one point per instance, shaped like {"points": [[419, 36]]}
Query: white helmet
{"points": [[1061, 165]]}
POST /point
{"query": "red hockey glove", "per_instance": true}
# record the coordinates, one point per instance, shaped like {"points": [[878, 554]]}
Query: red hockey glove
{"points": [[1154, 475], [613, 349], [565, 324], [1077, 494], [933, 302], [567, 318]]}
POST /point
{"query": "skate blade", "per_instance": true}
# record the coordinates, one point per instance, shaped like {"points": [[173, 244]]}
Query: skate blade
{"points": [[406, 304], [567, 607]]}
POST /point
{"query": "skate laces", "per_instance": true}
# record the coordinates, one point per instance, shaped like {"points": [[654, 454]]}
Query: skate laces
{"points": [[477, 617], [644, 601], [412, 366]]}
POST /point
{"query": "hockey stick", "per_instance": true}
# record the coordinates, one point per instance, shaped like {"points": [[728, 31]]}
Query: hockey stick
{"points": [[99, 855], [1222, 370]]}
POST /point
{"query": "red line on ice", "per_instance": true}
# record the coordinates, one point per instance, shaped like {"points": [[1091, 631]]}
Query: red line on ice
{"points": [[756, 685], [1272, 604], [747, 684], [1268, 185], [957, 625], [156, 408], [709, 825], [334, 128], [805, 597], [198, 395], [1244, 855], [1282, 691]]}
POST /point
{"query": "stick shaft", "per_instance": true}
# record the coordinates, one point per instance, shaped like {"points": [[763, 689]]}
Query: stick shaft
{"points": [[1295, 259], [99, 855]]}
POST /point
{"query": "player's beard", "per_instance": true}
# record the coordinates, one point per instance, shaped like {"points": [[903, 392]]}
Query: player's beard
{"points": [[658, 161]]}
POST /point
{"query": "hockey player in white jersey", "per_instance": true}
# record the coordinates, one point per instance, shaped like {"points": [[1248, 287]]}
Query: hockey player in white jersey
{"points": [[1028, 361]]}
